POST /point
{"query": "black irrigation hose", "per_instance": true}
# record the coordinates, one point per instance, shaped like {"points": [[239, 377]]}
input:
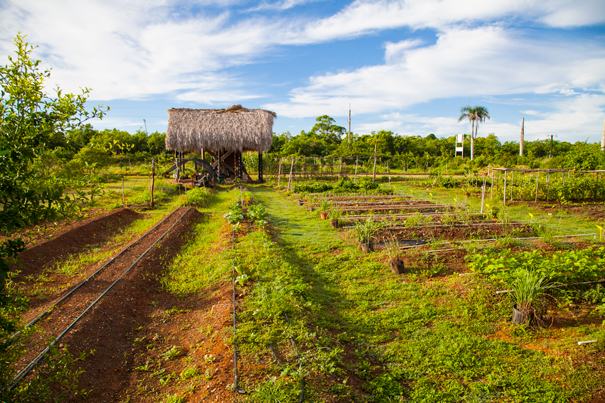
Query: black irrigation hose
{"points": [[43, 314], [302, 379], [36, 360], [235, 385]]}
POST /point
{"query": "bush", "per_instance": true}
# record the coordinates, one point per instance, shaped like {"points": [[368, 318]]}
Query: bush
{"points": [[198, 197]]}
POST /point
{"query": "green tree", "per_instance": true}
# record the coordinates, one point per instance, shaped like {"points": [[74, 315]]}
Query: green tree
{"points": [[327, 130], [29, 120]]}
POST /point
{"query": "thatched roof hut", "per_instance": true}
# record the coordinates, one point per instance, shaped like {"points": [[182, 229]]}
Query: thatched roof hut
{"points": [[232, 129]]}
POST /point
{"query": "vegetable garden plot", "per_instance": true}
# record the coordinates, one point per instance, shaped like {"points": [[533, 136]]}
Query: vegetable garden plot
{"points": [[455, 231]]}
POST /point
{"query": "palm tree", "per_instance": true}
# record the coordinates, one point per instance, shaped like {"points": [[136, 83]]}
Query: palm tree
{"points": [[468, 112], [474, 114], [481, 114]]}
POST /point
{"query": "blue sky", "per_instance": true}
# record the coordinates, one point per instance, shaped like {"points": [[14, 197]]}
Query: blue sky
{"points": [[405, 66]]}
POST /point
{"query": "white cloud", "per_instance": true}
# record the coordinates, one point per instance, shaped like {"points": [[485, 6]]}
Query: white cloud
{"points": [[139, 48], [463, 62]]}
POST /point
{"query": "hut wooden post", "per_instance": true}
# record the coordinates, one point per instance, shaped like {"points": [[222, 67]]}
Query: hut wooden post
{"points": [[279, 172], [218, 171], [260, 167], [504, 193], [152, 180], [238, 158]]}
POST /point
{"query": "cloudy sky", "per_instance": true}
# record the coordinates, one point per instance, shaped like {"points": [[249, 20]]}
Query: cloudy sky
{"points": [[406, 66]]}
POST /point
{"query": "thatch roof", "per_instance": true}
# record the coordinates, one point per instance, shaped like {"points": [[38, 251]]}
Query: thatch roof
{"points": [[231, 129]]}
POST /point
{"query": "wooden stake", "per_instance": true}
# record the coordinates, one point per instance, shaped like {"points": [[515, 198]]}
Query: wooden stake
{"points": [[123, 199], [279, 173], [374, 173], [483, 194], [291, 169], [152, 181], [537, 181], [492, 186], [512, 184], [356, 161], [504, 193], [547, 178]]}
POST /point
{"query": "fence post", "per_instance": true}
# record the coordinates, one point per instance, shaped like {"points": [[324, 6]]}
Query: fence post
{"points": [[537, 181], [492, 187], [152, 180], [279, 172], [374, 172], [504, 193], [290, 180]]}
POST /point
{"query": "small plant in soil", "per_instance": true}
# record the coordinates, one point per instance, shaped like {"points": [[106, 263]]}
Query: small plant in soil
{"points": [[394, 254], [528, 287], [324, 209], [335, 215], [364, 234]]}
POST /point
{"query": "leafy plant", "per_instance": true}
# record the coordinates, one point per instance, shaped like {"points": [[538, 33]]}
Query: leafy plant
{"points": [[236, 214], [364, 231], [528, 286]]}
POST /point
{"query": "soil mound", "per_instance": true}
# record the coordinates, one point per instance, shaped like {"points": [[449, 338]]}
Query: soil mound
{"points": [[74, 239]]}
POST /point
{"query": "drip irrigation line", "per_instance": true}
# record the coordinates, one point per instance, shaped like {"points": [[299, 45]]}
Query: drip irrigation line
{"points": [[302, 379], [235, 384], [558, 286], [36, 360], [46, 312], [503, 238]]}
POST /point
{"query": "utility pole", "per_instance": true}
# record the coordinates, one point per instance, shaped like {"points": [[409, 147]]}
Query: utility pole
{"points": [[550, 155], [144, 121], [349, 133]]}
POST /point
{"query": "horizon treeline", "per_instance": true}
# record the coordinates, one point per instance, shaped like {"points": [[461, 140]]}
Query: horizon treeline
{"points": [[87, 146]]}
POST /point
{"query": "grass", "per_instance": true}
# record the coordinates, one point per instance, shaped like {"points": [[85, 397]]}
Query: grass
{"points": [[405, 336]]}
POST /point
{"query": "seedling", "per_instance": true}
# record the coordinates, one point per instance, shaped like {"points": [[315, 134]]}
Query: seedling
{"points": [[600, 233]]}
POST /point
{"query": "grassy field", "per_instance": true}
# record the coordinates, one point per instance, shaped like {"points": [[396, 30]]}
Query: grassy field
{"points": [[318, 316]]}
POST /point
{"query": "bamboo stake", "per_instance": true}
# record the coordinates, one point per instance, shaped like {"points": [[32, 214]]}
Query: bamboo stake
{"points": [[512, 181], [152, 181], [290, 179], [374, 173], [492, 186], [537, 181], [547, 183], [279, 173], [504, 193], [483, 194]]}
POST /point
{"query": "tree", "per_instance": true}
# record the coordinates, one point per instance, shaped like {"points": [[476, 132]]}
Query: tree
{"points": [[473, 114], [29, 121], [327, 130]]}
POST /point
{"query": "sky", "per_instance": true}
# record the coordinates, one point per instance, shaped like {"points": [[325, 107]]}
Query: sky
{"points": [[407, 66]]}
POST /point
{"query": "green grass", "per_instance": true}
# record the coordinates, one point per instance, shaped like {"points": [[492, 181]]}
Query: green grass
{"points": [[422, 339]]}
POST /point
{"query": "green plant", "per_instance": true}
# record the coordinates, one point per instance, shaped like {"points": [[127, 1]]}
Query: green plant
{"points": [[528, 286], [392, 248], [257, 212], [364, 231], [236, 214], [335, 212], [324, 206], [198, 197]]}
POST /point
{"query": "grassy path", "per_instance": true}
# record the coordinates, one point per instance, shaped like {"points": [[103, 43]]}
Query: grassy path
{"points": [[380, 337]]}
